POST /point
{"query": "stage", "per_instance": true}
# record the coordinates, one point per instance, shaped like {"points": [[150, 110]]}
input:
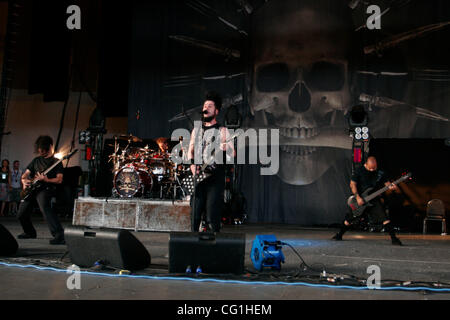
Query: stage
{"points": [[421, 259]]}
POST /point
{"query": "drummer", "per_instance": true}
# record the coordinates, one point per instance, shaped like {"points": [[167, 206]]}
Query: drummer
{"points": [[163, 145]]}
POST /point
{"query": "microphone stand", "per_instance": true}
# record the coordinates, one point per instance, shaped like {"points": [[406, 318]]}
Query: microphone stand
{"points": [[194, 194], [193, 197], [187, 116], [177, 183]]}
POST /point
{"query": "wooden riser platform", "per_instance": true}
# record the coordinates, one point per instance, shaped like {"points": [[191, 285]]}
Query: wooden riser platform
{"points": [[133, 214]]}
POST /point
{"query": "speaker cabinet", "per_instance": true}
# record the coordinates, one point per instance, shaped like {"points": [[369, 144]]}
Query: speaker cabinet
{"points": [[8, 244], [116, 248], [220, 253]]}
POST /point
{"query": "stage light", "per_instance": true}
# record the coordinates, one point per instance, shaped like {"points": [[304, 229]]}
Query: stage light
{"points": [[88, 153], [88, 137], [358, 117], [82, 137], [361, 133], [357, 155], [97, 121], [59, 155]]}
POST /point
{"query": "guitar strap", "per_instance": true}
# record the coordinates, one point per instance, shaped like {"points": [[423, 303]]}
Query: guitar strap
{"points": [[209, 137]]}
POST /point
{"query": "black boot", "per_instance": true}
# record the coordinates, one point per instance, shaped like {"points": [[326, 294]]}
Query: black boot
{"points": [[338, 236], [389, 229], [58, 239], [26, 236]]}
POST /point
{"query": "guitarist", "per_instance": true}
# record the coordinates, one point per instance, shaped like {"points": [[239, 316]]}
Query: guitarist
{"points": [[368, 176], [209, 193], [43, 147]]}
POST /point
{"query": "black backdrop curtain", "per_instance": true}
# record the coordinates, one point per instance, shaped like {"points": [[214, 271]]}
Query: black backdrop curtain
{"points": [[147, 115], [50, 50]]}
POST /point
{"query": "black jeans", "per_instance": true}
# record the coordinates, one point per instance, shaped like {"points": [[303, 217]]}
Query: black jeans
{"points": [[208, 199], [376, 214], [43, 199]]}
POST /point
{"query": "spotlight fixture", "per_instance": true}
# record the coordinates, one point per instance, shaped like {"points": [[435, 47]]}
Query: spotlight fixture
{"points": [[361, 133], [358, 117], [82, 137], [97, 119], [88, 137]]}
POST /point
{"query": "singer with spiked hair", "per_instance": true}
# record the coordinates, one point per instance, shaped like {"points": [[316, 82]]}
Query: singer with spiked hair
{"points": [[209, 193]]}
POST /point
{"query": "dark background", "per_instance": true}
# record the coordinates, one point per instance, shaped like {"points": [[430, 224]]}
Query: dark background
{"points": [[125, 57]]}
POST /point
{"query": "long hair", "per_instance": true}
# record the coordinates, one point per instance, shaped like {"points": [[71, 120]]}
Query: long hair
{"points": [[7, 164]]}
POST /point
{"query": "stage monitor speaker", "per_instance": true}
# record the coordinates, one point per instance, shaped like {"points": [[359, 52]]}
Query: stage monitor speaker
{"points": [[219, 253], [8, 244], [115, 248]]}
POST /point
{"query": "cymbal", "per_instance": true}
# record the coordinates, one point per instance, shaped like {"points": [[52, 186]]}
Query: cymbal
{"points": [[129, 137], [146, 150]]}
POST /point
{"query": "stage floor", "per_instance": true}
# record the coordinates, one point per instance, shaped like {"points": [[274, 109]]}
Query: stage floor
{"points": [[421, 258]]}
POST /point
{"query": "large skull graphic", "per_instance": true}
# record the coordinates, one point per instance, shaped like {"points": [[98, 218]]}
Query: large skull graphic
{"points": [[300, 83]]}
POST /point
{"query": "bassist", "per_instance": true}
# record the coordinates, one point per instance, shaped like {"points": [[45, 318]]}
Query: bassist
{"points": [[369, 176], [44, 148]]}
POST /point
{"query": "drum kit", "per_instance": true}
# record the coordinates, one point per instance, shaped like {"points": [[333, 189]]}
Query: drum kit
{"points": [[145, 172]]}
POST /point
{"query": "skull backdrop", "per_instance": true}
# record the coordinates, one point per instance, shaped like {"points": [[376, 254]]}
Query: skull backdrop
{"points": [[300, 83]]}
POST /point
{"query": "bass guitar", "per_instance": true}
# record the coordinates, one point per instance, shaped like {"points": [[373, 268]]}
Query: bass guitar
{"points": [[37, 185], [368, 195]]}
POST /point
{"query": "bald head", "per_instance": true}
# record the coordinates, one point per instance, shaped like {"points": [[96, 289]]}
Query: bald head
{"points": [[371, 164]]}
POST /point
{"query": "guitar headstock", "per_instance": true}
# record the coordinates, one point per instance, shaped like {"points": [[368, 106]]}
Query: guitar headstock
{"points": [[67, 156], [235, 135], [407, 176]]}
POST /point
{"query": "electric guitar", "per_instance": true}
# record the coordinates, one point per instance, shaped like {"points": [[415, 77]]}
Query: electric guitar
{"points": [[367, 196], [188, 182], [37, 185]]}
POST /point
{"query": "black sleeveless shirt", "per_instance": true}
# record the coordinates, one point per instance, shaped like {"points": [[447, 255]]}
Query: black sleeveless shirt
{"points": [[217, 169]]}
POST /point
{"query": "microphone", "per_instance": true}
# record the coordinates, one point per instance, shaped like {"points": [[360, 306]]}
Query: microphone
{"points": [[203, 112]]}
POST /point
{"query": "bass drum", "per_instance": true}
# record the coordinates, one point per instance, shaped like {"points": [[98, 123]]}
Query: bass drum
{"points": [[132, 182]]}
